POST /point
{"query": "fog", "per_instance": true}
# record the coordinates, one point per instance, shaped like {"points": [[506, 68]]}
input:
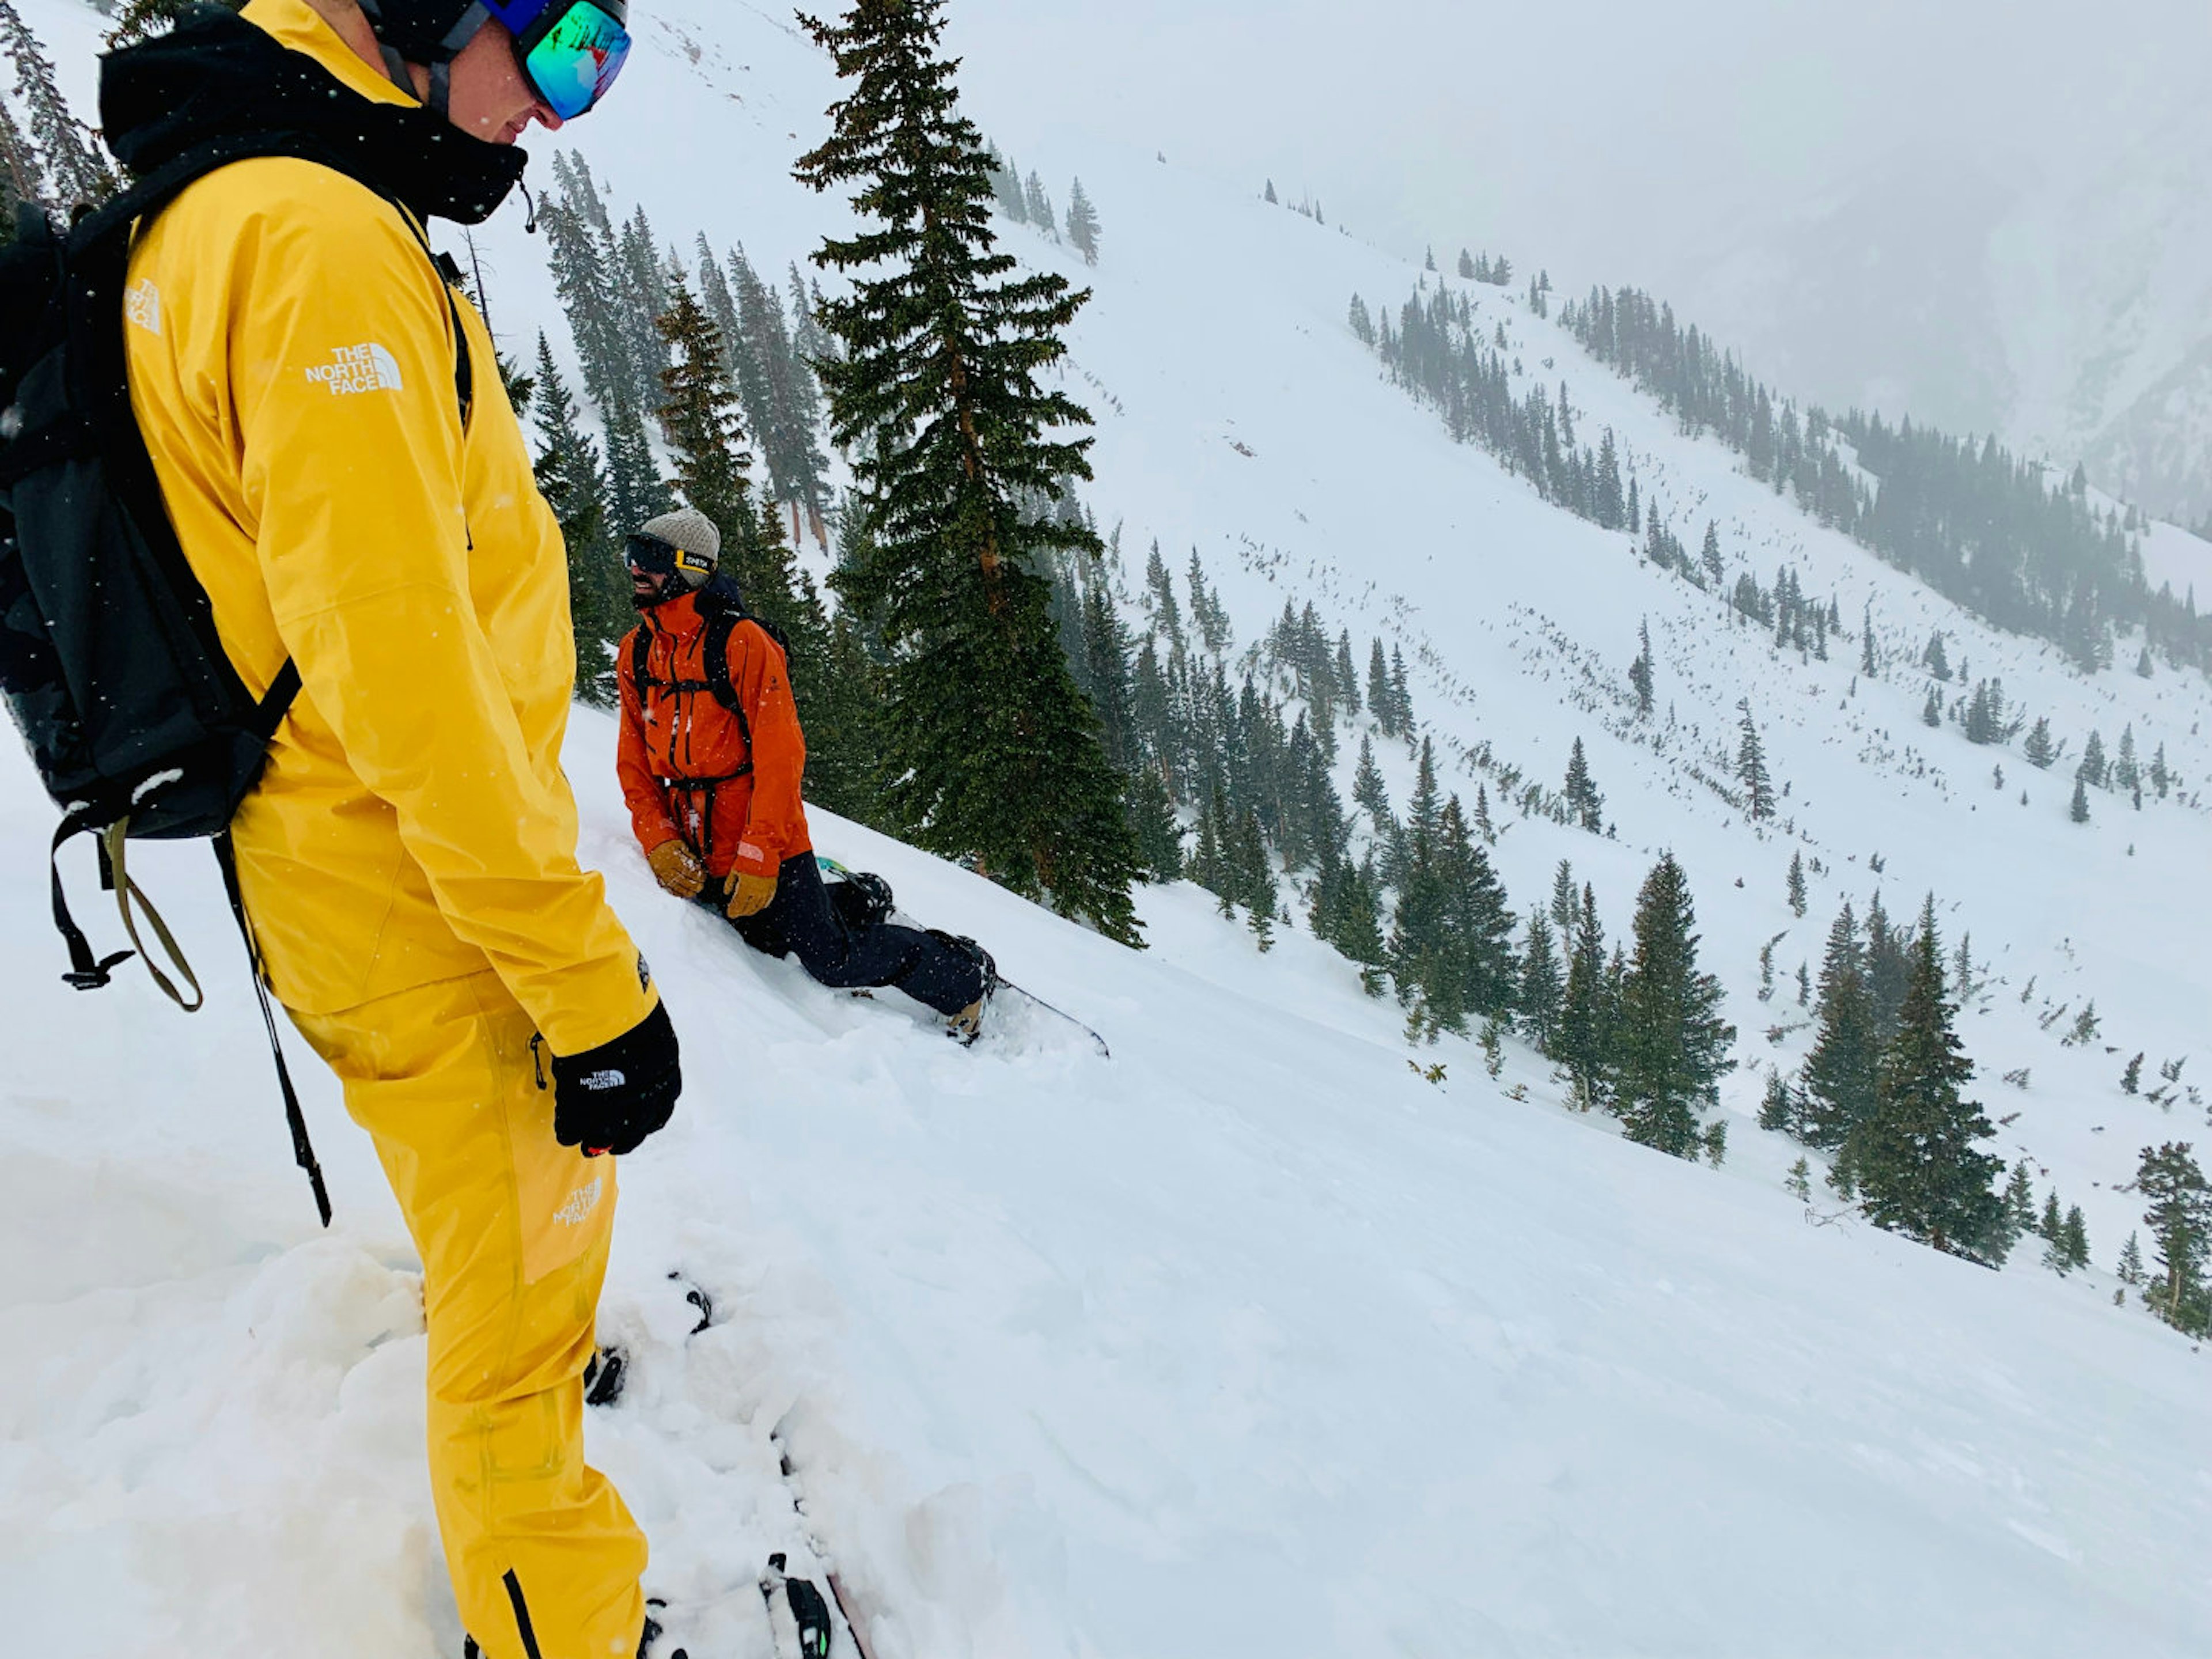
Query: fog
{"points": [[1880, 200]]}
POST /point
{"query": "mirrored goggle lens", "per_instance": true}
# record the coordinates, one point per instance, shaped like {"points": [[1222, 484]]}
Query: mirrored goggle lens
{"points": [[578, 58], [651, 555]]}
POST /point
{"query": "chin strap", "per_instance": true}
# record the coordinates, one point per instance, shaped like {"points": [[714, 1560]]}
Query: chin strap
{"points": [[441, 66]]}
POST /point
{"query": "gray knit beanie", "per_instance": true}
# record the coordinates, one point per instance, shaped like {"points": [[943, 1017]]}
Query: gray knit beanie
{"points": [[698, 544]]}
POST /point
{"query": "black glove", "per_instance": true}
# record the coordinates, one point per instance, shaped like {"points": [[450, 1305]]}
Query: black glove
{"points": [[610, 1098]]}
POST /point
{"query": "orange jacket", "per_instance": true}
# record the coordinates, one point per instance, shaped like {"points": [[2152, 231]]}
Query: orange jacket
{"points": [[687, 768]]}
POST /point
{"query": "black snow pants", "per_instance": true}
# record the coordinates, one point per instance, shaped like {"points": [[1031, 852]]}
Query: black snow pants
{"points": [[801, 922]]}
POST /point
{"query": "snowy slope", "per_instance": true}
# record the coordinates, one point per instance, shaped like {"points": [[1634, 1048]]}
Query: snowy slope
{"points": [[1249, 1339]]}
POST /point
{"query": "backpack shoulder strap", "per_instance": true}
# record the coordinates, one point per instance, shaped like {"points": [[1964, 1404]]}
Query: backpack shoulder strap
{"points": [[99, 256], [641, 643], [721, 627]]}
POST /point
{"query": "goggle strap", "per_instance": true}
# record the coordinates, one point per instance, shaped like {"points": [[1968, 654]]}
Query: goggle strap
{"points": [[464, 31]]}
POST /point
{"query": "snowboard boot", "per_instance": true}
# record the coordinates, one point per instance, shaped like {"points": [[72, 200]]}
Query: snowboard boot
{"points": [[965, 1026], [862, 900]]}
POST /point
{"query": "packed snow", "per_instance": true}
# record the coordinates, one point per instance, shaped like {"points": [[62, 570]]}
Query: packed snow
{"points": [[1249, 1339]]}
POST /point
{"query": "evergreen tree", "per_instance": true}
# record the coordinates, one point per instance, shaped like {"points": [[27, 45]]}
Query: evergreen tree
{"points": [[640, 288], [2051, 1229], [1931, 712], [995, 753], [1566, 904], [141, 20], [1585, 806], [1367, 788], [1160, 599], [634, 486], [2178, 1212], [1208, 610], [1916, 1158], [1255, 875], [1107, 658], [1039, 204], [1934, 660], [1887, 968], [1424, 962], [1361, 323], [2019, 1204], [1672, 1049], [1481, 926], [1379, 700], [2038, 748], [2092, 768], [1082, 224], [1344, 688], [1796, 884], [1751, 767], [577, 254], [843, 773], [1401, 696], [2073, 1239], [1709, 555], [1584, 1041], [75, 174], [574, 485], [1007, 186], [1779, 1109], [781, 404], [2078, 808], [19, 174], [698, 413], [2130, 1271], [1208, 865], [2131, 1079], [704, 439], [1639, 671], [1152, 819], [1542, 985]]}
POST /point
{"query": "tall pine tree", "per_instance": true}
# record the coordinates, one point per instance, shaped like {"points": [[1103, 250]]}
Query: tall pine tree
{"points": [[1916, 1158], [1839, 1080], [1672, 1048], [996, 754], [574, 485], [76, 173]]}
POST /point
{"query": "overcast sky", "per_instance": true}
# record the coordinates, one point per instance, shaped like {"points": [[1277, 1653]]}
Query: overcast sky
{"points": [[1605, 136]]}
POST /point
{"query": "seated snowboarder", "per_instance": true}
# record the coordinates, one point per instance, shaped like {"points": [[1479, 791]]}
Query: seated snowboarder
{"points": [[711, 759]]}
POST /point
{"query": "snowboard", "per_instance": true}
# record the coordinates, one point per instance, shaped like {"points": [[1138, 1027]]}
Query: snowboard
{"points": [[1013, 1014]]}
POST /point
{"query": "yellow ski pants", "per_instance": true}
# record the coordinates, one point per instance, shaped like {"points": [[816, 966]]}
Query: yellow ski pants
{"points": [[513, 1229]]}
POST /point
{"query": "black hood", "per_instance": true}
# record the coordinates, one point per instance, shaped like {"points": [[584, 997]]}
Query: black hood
{"points": [[217, 76]]}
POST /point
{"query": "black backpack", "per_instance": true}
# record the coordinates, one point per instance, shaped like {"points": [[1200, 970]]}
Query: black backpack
{"points": [[109, 659]]}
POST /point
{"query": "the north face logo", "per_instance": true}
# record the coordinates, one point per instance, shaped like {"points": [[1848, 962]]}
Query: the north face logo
{"points": [[369, 368], [581, 1204], [610, 1079], [142, 305]]}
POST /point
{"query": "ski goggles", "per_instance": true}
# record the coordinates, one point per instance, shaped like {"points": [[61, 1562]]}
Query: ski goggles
{"points": [[652, 556], [570, 50]]}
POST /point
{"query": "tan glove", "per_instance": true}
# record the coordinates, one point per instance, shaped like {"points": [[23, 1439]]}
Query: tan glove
{"points": [[677, 868], [749, 894]]}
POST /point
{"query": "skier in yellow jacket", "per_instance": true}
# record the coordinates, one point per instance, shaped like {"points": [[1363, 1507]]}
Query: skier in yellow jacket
{"points": [[408, 861]]}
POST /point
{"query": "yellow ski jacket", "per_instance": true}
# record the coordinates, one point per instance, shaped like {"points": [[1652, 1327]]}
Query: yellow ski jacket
{"points": [[291, 359]]}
